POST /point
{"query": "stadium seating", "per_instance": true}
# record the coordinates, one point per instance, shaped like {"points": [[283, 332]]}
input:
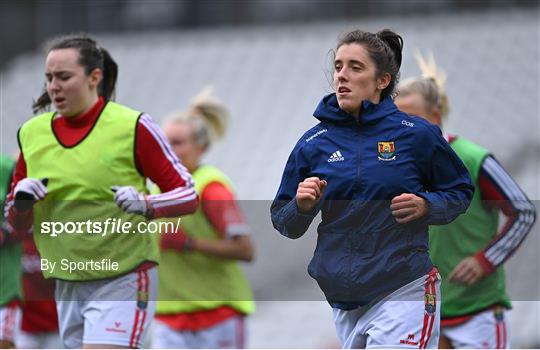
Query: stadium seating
{"points": [[272, 78]]}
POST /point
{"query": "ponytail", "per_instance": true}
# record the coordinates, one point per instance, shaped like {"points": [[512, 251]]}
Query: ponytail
{"points": [[42, 103], [207, 116], [430, 86], [429, 70], [107, 85], [394, 42]]}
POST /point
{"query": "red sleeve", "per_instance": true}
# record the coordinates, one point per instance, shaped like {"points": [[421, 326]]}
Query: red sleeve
{"points": [[156, 160], [500, 192], [38, 308], [494, 196], [222, 210], [19, 224]]}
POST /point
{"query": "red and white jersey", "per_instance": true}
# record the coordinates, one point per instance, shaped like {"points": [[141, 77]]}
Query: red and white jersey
{"points": [[154, 159]]}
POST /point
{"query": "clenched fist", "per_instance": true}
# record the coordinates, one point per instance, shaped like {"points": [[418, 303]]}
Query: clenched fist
{"points": [[309, 193], [131, 201], [408, 207], [28, 191]]}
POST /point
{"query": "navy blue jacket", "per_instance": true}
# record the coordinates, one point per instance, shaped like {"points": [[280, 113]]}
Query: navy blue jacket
{"points": [[362, 252]]}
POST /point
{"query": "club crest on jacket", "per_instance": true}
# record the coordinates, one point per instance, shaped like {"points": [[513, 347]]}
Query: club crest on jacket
{"points": [[386, 150]]}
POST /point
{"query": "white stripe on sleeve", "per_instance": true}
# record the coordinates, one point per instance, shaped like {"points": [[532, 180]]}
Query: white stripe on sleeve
{"points": [[178, 195], [501, 250], [158, 135]]}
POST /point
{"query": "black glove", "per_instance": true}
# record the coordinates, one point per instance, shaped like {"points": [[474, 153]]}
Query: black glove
{"points": [[28, 191]]}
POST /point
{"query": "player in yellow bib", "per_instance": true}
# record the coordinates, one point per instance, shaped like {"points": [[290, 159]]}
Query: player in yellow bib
{"points": [[208, 311], [80, 181]]}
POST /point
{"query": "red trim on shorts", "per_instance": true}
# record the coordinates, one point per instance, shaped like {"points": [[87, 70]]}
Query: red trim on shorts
{"points": [[455, 321], [146, 265], [504, 334], [13, 320], [429, 319], [134, 330], [240, 336], [197, 320], [145, 290], [424, 327], [432, 317], [8, 325], [498, 335], [5, 324], [500, 332], [459, 320]]}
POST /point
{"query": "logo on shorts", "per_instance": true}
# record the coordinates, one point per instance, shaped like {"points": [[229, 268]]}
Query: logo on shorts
{"points": [[142, 300], [409, 341], [430, 303], [116, 328], [387, 150], [498, 314]]}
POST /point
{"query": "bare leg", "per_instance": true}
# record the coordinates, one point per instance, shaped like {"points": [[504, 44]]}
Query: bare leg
{"points": [[6, 344], [445, 343]]}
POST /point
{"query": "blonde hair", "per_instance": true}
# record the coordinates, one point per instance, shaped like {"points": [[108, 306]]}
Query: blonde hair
{"points": [[207, 116], [430, 85]]}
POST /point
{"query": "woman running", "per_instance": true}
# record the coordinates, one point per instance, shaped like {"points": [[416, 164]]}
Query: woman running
{"points": [[82, 172], [379, 178]]}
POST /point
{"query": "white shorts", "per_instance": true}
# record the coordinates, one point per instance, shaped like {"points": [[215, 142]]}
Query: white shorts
{"points": [[485, 330], [407, 318], [229, 334], [115, 311], [43, 340], [10, 320]]}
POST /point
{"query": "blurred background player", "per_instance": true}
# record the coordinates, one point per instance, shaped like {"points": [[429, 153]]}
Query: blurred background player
{"points": [[89, 160], [207, 310], [470, 251], [10, 266], [39, 320]]}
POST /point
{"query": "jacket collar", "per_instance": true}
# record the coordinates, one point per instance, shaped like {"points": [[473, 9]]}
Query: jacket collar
{"points": [[328, 111]]}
